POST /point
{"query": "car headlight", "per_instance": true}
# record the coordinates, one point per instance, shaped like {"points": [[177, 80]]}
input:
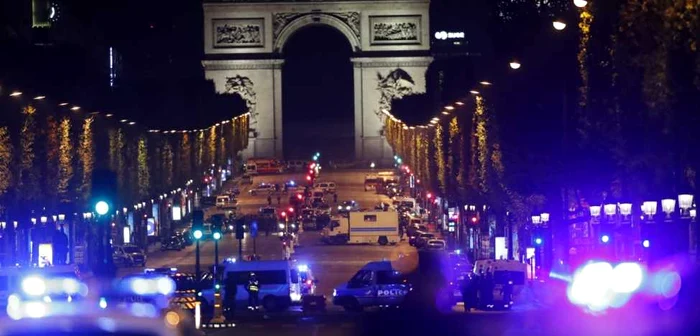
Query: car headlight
{"points": [[34, 286]]}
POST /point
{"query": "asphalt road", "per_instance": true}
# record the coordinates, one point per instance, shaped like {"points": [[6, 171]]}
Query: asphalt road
{"points": [[332, 265]]}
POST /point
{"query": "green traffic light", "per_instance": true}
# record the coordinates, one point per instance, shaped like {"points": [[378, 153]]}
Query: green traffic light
{"points": [[101, 208], [217, 235], [197, 234]]}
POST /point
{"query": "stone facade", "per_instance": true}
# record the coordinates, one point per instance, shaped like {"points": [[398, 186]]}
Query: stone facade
{"points": [[244, 52]]}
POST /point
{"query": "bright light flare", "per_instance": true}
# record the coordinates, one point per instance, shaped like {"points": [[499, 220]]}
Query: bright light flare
{"points": [[34, 286], [627, 278], [515, 65], [591, 286], [666, 283]]}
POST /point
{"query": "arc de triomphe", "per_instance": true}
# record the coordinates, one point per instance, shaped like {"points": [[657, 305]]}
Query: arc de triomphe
{"points": [[244, 40]]}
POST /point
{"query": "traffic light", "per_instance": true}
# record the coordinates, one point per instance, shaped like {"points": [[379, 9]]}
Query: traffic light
{"points": [[604, 239], [197, 224], [646, 243], [216, 228], [104, 189], [284, 214], [538, 241]]}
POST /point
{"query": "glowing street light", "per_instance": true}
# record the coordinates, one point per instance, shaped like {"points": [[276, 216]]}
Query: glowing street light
{"points": [[39, 97], [101, 208], [559, 25], [515, 65], [580, 3], [16, 94]]}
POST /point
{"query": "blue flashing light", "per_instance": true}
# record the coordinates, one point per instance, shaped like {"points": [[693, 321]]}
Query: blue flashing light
{"points": [[292, 182], [605, 239], [458, 252], [197, 234], [34, 286], [538, 241], [103, 303], [303, 268], [173, 269], [645, 243]]}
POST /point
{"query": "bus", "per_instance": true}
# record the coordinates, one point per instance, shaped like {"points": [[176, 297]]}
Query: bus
{"points": [[256, 166]]}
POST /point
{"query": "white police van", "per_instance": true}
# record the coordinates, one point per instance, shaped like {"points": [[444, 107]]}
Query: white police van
{"points": [[280, 283], [376, 284]]}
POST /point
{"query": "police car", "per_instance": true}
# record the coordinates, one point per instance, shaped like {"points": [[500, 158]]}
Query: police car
{"points": [[376, 284], [132, 307]]}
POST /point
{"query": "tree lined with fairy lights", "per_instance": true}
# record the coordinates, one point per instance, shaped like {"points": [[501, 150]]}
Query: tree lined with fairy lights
{"points": [[64, 146]]}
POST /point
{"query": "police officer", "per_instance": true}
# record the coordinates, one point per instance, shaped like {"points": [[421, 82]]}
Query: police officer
{"points": [[253, 288]]}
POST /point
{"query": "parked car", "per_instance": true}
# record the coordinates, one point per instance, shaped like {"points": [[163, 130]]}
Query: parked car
{"points": [[129, 255]]}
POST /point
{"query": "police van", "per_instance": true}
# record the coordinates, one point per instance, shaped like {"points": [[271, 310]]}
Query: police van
{"points": [[12, 278], [281, 283], [375, 284]]}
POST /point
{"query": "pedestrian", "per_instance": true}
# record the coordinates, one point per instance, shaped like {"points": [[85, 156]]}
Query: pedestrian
{"points": [[253, 288], [230, 291], [279, 199], [269, 199]]}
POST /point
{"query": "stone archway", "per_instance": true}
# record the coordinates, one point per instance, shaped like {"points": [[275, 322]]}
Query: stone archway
{"points": [[346, 23], [244, 45]]}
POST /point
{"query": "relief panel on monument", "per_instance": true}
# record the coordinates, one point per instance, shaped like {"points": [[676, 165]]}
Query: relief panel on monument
{"points": [[395, 30], [394, 85], [238, 33]]}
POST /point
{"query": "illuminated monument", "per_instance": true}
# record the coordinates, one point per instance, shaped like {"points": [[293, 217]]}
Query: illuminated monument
{"points": [[244, 42]]}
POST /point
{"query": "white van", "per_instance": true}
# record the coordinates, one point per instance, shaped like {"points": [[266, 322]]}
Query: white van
{"points": [[327, 187], [280, 283], [222, 201]]}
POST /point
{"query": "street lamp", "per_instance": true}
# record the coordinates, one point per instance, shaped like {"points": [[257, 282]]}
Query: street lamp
{"points": [[595, 210], [685, 202], [44, 219], [515, 65], [649, 208], [544, 217], [536, 219], [668, 206], [610, 209], [625, 209], [559, 25], [580, 3]]}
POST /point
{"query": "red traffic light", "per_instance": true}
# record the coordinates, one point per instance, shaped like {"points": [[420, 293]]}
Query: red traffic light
{"points": [[429, 195], [474, 219], [299, 196], [291, 210], [308, 177], [284, 214]]}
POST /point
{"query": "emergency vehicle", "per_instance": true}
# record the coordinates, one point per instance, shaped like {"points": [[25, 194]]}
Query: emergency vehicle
{"points": [[503, 271], [281, 283], [361, 227], [13, 279], [375, 284]]}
